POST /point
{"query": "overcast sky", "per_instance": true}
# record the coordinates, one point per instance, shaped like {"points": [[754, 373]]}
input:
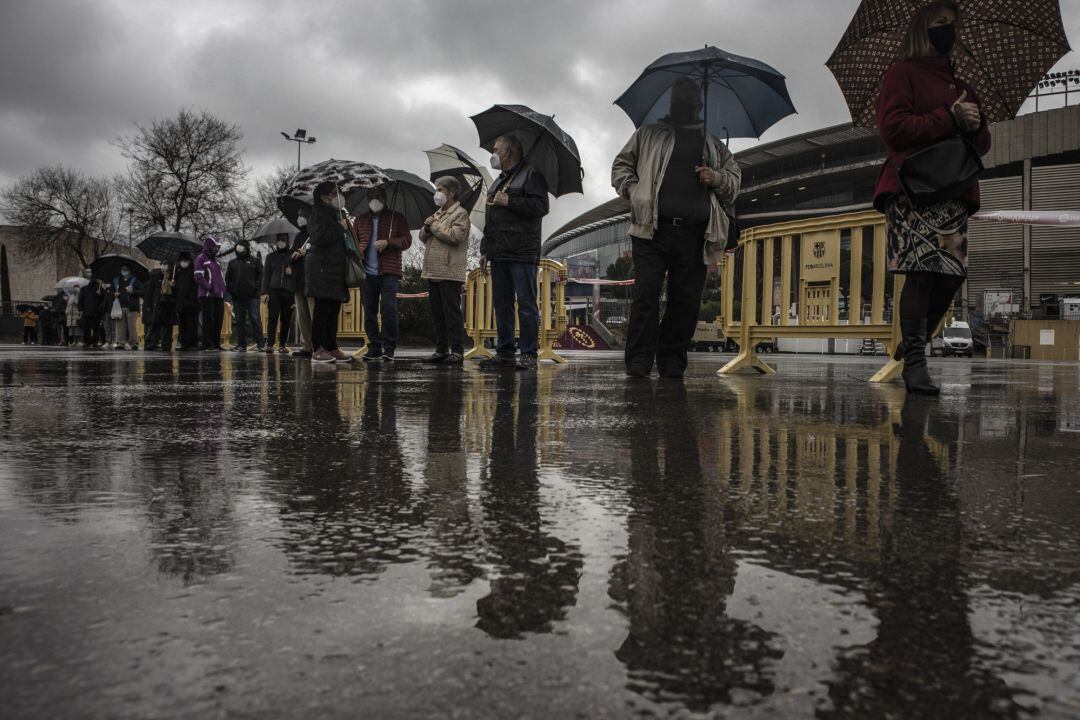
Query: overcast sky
{"points": [[381, 81]]}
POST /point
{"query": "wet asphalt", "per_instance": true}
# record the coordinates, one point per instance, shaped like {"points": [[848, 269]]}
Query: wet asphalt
{"points": [[196, 536]]}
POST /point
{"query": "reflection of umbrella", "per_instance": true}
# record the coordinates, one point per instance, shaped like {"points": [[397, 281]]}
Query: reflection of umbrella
{"points": [[1003, 48], [547, 146], [353, 179], [167, 246], [405, 193], [72, 283], [268, 233], [742, 97], [447, 160], [107, 267]]}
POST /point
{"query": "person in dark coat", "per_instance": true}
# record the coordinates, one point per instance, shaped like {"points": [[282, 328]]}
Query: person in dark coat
{"points": [[186, 297], [304, 305], [516, 206], [151, 292], [92, 307], [163, 311], [278, 287], [325, 271], [128, 290], [243, 280], [922, 103]]}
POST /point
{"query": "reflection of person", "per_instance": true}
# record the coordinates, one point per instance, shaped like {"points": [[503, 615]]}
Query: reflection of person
{"points": [[535, 573], [924, 655], [211, 293], [446, 248], [279, 289], [922, 103], [678, 572], [677, 178], [382, 235], [243, 280], [324, 268], [516, 205]]}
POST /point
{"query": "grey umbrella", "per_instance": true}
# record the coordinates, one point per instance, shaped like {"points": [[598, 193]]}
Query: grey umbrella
{"points": [[448, 161], [268, 233], [406, 193], [548, 147], [743, 97]]}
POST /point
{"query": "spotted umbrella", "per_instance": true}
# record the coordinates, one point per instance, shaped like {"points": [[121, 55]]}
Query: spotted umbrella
{"points": [[353, 178], [448, 161], [1003, 48]]}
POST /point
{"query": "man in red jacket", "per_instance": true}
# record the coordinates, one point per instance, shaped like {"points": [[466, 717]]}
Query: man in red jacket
{"points": [[382, 235]]}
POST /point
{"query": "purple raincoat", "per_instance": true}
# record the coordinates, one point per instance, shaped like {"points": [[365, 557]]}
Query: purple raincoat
{"points": [[208, 271]]}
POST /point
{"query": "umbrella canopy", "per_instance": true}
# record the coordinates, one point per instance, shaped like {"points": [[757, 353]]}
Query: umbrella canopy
{"points": [[24, 307], [167, 246], [406, 193], [107, 267], [72, 283], [548, 147], [448, 161], [268, 233], [1003, 49], [743, 97], [353, 179]]}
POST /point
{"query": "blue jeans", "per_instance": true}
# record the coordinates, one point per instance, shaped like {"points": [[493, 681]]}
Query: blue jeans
{"points": [[512, 281], [246, 313], [380, 293]]}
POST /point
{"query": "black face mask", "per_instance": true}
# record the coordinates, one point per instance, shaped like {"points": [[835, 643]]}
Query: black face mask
{"points": [[684, 113], [942, 37]]}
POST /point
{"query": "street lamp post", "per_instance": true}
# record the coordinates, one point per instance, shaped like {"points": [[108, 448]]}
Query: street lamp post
{"points": [[299, 137]]}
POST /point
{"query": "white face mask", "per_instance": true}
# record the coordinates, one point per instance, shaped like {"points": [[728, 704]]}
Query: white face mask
{"points": [[282, 245], [185, 264], [376, 206], [440, 199], [301, 221], [496, 163]]}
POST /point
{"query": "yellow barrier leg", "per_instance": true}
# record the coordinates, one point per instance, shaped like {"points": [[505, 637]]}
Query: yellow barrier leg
{"points": [[746, 358]]}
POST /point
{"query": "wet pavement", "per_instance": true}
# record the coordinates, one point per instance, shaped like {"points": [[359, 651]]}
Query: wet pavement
{"points": [[248, 536]]}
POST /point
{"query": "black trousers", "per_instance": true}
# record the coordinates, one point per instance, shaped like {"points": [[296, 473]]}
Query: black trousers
{"points": [[91, 328], [279, 307], [163, 337], [324, 324], [151, 335], [188, 325], [444, 297], [213, 314], [928, 295], [29, 335], [676, 253]]}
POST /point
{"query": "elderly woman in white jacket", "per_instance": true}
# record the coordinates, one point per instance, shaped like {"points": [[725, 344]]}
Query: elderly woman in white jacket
{"points": [[446, 249]]}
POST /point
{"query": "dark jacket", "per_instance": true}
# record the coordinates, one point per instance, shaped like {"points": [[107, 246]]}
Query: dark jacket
{"points": [[325, 262], [514, 232], [914, 111], [186, 290], [243, 278], [298, 265], [394, 229], [275, 278], [160, 307], [151, 292], [92, 301], [129, 300]]}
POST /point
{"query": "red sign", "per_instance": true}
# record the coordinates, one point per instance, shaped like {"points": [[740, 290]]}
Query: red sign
{"points": [[581, 337]]}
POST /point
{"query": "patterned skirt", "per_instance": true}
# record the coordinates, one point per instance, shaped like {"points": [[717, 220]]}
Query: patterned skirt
{"points": [[927, 239]]}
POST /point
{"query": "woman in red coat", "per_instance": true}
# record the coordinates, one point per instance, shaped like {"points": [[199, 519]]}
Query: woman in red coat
{"points": [[922, 103]]}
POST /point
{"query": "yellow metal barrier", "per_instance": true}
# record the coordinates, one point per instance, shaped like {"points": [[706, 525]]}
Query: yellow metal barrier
{"points": [[818, 290], [480, 310]]}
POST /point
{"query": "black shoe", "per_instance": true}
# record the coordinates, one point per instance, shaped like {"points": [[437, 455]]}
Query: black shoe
{"points": [[637, 371], [301, 353], [498, 362], [373, 357], [455, 358], [916, 373], [526, 362], [672, 374], [435, 358], [387, 358]]}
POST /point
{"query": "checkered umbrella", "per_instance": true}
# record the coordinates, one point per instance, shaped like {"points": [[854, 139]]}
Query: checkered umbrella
{"points": [[1003, 49]]}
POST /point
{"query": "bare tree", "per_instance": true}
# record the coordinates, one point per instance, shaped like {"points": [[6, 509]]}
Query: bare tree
{"points": [[60, 210], [184, 172]]}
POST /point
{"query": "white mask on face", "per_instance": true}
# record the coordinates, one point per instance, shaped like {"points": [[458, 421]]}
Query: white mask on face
{"points": [[301, 221], [440, 199], [185, 264], [376, 206], [496, 163], [282, 245]]}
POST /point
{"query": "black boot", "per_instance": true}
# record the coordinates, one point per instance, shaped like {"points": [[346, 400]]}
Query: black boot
{"points": [[916, 373]]}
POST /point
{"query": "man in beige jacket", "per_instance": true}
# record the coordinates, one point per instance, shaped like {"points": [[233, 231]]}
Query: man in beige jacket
{"points": [[446, 250], [677, 178]]}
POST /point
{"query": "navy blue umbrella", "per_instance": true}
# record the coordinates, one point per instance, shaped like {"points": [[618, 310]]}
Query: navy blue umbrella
{"points": [[742, 97]]}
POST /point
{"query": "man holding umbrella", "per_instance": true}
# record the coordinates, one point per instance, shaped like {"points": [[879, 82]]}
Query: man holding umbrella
{"points": [[677, 177], [516, 206]]}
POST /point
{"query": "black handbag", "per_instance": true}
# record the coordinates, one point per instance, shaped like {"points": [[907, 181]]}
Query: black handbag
{"points": [[734, 231], [943, 171]]}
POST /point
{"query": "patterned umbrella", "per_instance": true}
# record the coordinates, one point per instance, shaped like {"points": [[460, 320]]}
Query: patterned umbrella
{"points": [[167, 246], [352, 178], [447, 160], [1003, 48]]}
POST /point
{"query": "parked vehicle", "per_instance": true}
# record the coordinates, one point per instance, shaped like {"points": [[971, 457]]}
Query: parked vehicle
{"points": [[954, 340], [709, 337]]}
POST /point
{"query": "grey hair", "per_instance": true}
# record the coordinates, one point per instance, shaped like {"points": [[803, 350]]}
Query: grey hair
{"points": [[449, 184], [515, 144]]}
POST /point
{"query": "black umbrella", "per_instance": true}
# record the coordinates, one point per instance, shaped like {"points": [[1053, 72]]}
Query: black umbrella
{"points": [[548, 147], [167, 246], [743, 97], [448, 161], [108, 267], [406, 193], [1003, 49], [24, 307]]}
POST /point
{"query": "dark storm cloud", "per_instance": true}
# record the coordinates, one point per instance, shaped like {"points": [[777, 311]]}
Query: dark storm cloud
{"points": [[379, 81]]}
